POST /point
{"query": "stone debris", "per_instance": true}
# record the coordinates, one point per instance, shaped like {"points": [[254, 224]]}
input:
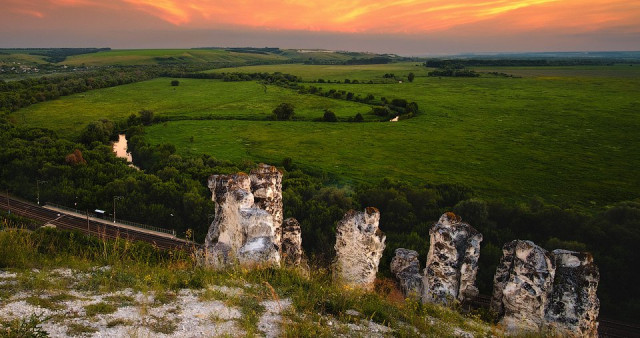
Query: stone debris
{"points": [[452, 262], [522, 285], [292, 253], [359, 246], [406, 268], [187, 314], [248, 218], [271, 320], [574, 306]]}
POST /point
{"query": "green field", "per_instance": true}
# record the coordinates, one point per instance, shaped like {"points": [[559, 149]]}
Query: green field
{"points": [[194, 56], [155, 56], [335, 72], [192, 99], [568, 135]]}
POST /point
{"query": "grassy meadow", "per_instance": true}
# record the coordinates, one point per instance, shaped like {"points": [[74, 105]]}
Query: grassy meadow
{"points": [[155, 56], [333, 72], [192, 99], [565, 134]]}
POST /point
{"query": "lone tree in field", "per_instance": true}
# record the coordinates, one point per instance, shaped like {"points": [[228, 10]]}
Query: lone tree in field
{"points": [[329, 116], [175, 83], [411, 77], [283, 111]]}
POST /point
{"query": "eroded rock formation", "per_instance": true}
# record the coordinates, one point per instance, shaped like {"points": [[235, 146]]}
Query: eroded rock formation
{"points": [[245, 227], [266, 186], [359, 246], [291, 242], [452, 262], [406, 268], [537, 290], [573, 307], [522, 285]]}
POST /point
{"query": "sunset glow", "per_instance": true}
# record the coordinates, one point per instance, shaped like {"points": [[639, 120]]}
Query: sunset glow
{"points": [[409, 18], [400, 16]]}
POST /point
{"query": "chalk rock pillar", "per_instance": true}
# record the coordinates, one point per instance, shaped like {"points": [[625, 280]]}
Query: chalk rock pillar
{"points": [[406, 267], [241, 230], [292, 242], [359, 246], [452, 262], [522, 286], [574, 306], [266, 186]]}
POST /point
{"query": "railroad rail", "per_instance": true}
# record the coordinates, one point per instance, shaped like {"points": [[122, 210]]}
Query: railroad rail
{"points": [[67, 221]]}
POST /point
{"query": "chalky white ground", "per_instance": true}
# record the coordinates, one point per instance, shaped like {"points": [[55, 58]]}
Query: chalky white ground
{"points": [[190, 315]]}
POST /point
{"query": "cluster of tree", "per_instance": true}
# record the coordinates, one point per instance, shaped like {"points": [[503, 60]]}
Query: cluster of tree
{"points": [[18, 94], [534, 62], [170, 193], [252, 50], [54, 55], [453, 71], [268, 78], [353, 61], [500, 74], [283, 112], [368, 61]]}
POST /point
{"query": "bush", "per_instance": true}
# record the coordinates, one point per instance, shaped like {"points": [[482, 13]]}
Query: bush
{"points": [[175, 83], [329, 116], [283, 111]]}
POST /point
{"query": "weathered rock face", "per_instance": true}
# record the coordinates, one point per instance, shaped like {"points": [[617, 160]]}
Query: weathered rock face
{"points": [[242, 229], [292, 242], [522, 285], [452, 262], [359, 246], [266, 186], [573, 307], [406, 267]]}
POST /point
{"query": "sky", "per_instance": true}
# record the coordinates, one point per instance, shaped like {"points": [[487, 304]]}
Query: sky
{"points": [[405, 27]]}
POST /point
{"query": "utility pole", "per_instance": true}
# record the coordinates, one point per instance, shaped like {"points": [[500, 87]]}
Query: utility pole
{"points": [[114, 206], [38, 189], [88, 229]]}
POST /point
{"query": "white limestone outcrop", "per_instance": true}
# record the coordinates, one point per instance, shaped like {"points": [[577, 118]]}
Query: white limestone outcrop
{"points": [[574, 306], [292, 253], [406, 268], [452, 262], [245, 227], [359, 246], [522, 286]]}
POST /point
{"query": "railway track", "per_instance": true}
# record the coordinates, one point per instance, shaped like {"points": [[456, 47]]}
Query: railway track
{"points": [[88, 226]]}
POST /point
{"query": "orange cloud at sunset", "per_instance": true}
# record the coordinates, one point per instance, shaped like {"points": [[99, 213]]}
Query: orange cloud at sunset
{"points": [[383, 25], [377, 16]]}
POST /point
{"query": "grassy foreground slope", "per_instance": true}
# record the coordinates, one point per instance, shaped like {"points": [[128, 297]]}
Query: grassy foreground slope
{"points": [[192, 99], [68, 284]]}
